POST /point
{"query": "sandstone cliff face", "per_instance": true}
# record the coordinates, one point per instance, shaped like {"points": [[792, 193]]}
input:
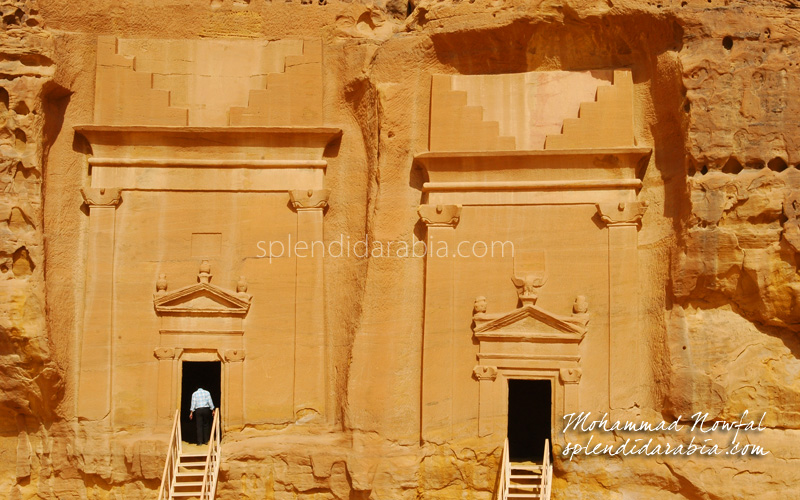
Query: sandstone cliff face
{"points": [[31, 382], [718, 246]]}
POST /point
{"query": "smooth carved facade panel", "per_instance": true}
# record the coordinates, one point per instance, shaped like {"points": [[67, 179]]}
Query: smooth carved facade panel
{"points": [[542, 172], [203, 182]]}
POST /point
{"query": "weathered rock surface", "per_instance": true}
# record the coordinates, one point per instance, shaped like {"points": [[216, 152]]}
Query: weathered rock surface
{"points": [[716, 85]]}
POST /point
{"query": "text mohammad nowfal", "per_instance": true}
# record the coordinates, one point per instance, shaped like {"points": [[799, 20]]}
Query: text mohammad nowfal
{"points": [[699, 426]]}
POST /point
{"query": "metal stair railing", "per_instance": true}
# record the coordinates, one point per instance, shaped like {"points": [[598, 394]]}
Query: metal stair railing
{"points": [[173, 458], [211, 471]]}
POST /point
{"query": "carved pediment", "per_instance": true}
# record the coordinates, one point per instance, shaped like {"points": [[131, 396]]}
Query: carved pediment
{"points": [[205, 299], [530, 322]]}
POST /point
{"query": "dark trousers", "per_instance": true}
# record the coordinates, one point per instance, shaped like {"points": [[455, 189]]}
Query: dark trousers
{"points": [[202, 418]]}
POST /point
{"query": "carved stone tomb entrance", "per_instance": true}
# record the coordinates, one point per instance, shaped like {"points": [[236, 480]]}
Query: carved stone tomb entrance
{"points": [[194, 374], [529, 418]]}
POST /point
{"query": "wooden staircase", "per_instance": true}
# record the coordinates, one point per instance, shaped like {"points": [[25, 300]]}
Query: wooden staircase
{"points": [[191, 476], [525, 479]]}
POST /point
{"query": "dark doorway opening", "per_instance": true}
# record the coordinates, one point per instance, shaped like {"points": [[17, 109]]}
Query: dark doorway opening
{"points": [[529, 419], [205, 374]]}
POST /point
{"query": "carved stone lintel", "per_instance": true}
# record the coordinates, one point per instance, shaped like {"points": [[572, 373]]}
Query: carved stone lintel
{"points": [[440, 215], [231, 355], [164, 353], [485, 372], [102, 197], [311, 199], [622, 214], [570, 375]]}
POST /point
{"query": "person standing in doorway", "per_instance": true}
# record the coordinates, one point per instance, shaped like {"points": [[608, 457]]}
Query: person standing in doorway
{"points": [[203, 406]]}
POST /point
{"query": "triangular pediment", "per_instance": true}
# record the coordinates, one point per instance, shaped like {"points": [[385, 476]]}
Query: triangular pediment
{"points": [[530, 321], [203, 299]]}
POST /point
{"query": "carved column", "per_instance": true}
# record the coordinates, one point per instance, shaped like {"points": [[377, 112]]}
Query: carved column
{"points": [[310, 359], [165, 394], [234, 380], [94, 382], [625, 342], [487, 413], [438, 339], [570, 378]]}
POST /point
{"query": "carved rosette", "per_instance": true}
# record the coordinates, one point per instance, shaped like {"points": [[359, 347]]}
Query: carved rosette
{"points": [[440, 215], [102, 197], [622, 214], [482, 372], [311, 199], [570, 375]]}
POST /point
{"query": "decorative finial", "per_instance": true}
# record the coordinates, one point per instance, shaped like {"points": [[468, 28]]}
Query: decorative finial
{"points": [[480, 306], [204, 276], [581, 305], [161, 285], [241, 286]]}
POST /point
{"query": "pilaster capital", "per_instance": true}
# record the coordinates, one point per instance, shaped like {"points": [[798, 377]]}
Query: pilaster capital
{"points": [[482, 372], [570, 375], [622, 214], [164, 353], [440, 215], [309, 199], [232, 355], [102, 197]]}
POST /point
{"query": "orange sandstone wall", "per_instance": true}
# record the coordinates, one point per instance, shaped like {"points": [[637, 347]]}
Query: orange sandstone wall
{"points": [[714, 96]]}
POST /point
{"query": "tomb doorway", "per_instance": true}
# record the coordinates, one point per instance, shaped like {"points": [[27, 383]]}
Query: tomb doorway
{"points": [[529, 419], [194, 374]]}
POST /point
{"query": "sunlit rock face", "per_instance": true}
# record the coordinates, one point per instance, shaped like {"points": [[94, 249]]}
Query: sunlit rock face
{"points": [[152, 150]]}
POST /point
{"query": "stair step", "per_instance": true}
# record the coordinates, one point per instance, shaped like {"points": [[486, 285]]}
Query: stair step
{"points": [[526, 467], [524, 495], [525, 476], [525, 487]]}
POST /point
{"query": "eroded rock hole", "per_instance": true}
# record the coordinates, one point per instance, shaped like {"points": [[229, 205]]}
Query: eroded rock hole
{"points": [[777, 164], [732, 166], [20, 140], [3, 100], [22, 264], [727, 42], [22, 108]]}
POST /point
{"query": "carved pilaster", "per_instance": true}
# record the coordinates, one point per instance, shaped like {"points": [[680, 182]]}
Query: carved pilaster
{"points": [[311, 199], [622, 214], [165, 392], [310, 388], [625, 343], [440, 330], [440, 215], [102, 197], [94, 382], [570, 377], [486, 376]]}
